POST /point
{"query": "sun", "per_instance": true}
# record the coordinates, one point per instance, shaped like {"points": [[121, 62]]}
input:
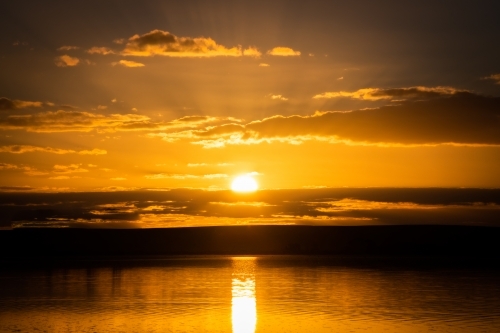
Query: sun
{"points": [[244, 183]]}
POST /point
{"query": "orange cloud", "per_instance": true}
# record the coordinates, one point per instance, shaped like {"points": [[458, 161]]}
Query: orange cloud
{"points": [[283, 52], [459, 119], [66, 61], [8, 104], [65, 169], [79, 121], [158, 42], [30, 171], [375, 94], [128, 63], [494, 77], [357, 205], [100, 50], [82, 121], [21, 149], [252, 52], [279, 97], [67, 48]]}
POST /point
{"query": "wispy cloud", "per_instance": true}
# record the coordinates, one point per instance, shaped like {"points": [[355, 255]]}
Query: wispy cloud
{"points": [[68, 48], [21, 149], [279, 97], [100, 50], [375, 94], [12, 104], [71, 168], [82, 121], [494, 77], [128, 63], [28, 170], [66, 121]]}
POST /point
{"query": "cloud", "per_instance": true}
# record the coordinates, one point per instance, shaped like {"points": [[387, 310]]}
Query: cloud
{"points": [[182, 207], [60, 177], [82, 121], [15, 188], [459, 119], [158, 42], [8, 104], [283, 52], [8, 166], [66, 169], [264, 65], [128, 63], [93, 152], [67, 48], [279, 97], [30, 171], [375, 94], [349, 204], [34, 172], [252, 52], [494, 77], [118, 178], [66, 61], [100, 50], [242, 203], [21, 149]]}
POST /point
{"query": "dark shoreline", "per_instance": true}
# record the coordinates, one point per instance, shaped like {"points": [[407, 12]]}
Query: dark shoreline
{"points": [[388, 241]]}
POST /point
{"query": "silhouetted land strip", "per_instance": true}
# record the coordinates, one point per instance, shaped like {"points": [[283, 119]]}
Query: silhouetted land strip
{"points": [[253, 240]]}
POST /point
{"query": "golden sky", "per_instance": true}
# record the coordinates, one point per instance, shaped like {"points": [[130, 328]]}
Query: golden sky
{"points": [[98, 96]]}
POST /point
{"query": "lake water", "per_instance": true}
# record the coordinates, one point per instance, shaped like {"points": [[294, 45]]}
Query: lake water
{"points": [[249, 294]]}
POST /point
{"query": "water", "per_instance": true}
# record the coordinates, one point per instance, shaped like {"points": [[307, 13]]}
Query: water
{"points": [[248, 295]]}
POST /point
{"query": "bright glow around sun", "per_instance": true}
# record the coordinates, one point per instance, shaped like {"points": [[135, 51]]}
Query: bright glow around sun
{"points": [[244, 183]]}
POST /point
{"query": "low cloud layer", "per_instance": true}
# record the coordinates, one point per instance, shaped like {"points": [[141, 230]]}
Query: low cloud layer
{"points": [[445, 116], [177, 208], [460, 119]]}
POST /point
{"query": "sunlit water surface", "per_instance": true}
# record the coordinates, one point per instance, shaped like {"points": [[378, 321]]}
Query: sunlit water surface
{"points": [[247, 295]]}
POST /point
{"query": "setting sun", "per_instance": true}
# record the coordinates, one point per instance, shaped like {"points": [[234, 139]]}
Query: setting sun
{"points": [[244, 183]]}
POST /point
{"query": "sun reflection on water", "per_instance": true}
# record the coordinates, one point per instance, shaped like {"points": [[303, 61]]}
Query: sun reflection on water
{"points": [[244, 307]]}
